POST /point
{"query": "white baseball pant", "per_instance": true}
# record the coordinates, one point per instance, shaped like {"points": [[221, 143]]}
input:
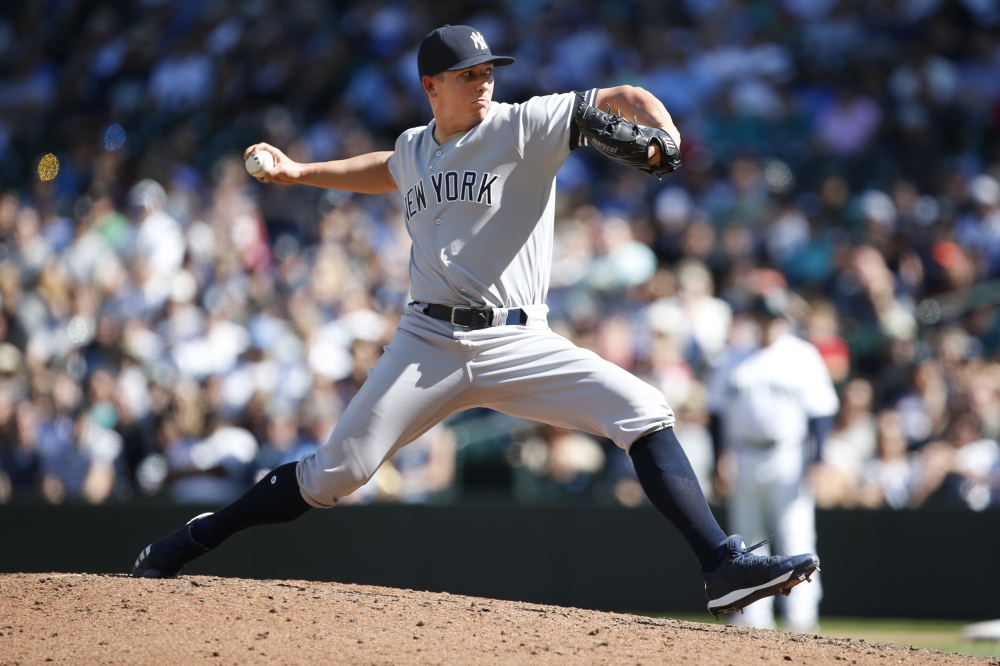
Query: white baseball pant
{"points": [[771, 497]]}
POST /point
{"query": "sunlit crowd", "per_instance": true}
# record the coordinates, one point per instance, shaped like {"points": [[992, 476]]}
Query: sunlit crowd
{"points": [[171, 329]]}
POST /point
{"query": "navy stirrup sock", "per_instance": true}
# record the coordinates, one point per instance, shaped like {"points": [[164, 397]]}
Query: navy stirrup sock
{"points": [[671, 485], [274, 499]]}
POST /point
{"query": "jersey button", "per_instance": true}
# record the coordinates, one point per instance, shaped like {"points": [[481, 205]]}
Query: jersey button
{"points": [[437, 221], [432, 167], [438, 153], [462, 290]]}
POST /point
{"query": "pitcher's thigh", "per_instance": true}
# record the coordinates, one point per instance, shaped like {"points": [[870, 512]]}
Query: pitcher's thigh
{"points": [[547, 378], [408, 391]]}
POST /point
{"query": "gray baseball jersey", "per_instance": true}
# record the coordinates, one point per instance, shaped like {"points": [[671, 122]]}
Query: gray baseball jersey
{"points": [[480, 212], [479, 208]]}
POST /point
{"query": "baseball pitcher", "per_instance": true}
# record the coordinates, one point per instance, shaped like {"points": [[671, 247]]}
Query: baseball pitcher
{"points": [[477, 187]]}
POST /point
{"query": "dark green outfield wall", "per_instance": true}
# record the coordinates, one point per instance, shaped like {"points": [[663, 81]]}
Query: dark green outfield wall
{"points": [[935, 564]]}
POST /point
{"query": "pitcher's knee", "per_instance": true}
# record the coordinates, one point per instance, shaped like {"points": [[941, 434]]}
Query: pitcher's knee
{"points": [[650, 414], [322, 488], [633, 408]]}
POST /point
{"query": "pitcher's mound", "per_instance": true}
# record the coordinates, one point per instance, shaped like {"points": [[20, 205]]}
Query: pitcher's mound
{"points": [[97, 619]]}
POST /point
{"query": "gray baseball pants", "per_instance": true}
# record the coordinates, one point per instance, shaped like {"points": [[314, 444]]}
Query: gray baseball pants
{"points": [[432, 369]]}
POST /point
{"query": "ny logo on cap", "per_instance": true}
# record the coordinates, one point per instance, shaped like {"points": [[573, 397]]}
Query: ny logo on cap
{"points": [[479, 41]]}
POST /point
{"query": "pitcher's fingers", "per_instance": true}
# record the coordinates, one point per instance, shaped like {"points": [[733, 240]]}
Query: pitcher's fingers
{"points": [[653, 154], [256, 148]]}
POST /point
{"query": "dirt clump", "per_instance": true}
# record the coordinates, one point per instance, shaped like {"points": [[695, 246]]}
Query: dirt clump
{"points": [[74, 618]]}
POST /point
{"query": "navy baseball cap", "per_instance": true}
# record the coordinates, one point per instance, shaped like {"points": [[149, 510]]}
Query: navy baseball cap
{"points": [[455, 47], [772, 305]]}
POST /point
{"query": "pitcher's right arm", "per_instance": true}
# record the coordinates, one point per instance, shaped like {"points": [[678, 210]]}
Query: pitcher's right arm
{"points": [[365, 174]]}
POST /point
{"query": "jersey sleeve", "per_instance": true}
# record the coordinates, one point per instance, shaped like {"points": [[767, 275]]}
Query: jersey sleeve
{"points": [[395, 157], [545, 132], [401, 150], [819, 397]]}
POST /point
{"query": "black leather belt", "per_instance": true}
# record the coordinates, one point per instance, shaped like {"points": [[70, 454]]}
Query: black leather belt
{"points": [[473, 318]]}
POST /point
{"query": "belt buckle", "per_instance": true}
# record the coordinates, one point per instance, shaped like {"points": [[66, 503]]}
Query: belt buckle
{"points": [[454, 323]]}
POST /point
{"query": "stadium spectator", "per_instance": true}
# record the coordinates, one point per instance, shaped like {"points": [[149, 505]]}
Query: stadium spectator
{"points": [[19, 460], [151, 282], [78, 458], [213, 469], [894, 476], [848, 447], [961, 469]]}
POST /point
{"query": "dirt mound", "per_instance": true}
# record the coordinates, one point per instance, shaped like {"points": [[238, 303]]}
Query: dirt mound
{"points": [[119, 620]]}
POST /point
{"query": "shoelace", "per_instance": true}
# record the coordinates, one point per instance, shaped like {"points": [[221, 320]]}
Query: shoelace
{"points": [[746, 551], [611, 122], [612, 125]]}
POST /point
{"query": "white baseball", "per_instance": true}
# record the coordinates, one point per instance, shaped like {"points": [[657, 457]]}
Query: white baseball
{"points": [[260, 163]]}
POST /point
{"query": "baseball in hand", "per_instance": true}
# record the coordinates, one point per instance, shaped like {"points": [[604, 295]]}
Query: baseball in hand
{"points": [[260, 163]]}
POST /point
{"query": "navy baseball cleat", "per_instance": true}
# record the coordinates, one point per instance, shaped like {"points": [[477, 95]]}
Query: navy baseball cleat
{"points": [[744, 578], [164, 558]]}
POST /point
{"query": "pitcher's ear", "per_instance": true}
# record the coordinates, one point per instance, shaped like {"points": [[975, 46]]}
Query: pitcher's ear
{"points": [[429, 84]]}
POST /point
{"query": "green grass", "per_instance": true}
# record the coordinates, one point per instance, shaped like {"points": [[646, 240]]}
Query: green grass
{"points": [[943, 635]]}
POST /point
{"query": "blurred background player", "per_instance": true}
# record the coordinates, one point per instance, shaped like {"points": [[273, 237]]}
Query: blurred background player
{"points": [[767, 400]]}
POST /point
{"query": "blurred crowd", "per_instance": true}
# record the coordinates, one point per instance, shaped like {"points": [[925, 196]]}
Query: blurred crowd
{"points": [[173, 329]]}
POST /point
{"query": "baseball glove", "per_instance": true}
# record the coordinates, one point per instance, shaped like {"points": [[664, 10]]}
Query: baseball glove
{"points": [[625, 142]]}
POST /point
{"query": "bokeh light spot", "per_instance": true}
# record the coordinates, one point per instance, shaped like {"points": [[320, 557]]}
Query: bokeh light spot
{"points": [[48, 167], [114, 137], [929, 312], [778, 176], [78, 330]]}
